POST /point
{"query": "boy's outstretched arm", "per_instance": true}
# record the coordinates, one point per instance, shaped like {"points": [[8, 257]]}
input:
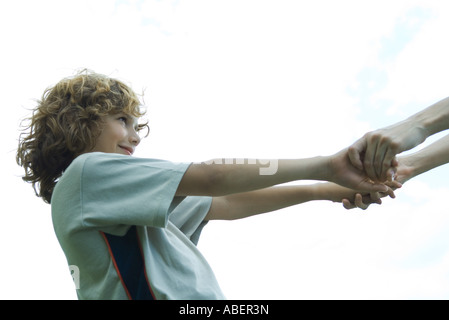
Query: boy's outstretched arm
{"points": [[246, 204], [214, 179]]}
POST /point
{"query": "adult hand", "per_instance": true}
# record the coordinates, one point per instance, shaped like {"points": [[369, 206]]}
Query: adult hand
{"points": [[376, 151], [344, 173], [406, 169]]}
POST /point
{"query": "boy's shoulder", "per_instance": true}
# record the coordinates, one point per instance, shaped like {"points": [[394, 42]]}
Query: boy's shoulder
{"points": [[95, 157], [83, 157], [79, 164], [94, 164], [87, 165]]}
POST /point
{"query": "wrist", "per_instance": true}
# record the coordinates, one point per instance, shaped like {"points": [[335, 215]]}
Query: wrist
{"points": [[329, 191], [408, 168], [420, 163], [318, 191], [324, 168], [315, 168], [425, 126], [330, 167]]}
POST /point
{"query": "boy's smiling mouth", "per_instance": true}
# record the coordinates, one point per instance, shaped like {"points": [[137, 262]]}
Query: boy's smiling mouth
{"points": [[128, 150]]}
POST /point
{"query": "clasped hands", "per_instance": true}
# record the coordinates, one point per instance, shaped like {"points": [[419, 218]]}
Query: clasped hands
{"points": [[371, 161], [373, 158]]}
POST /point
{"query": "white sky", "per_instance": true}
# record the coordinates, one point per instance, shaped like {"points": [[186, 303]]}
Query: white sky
{"points": [[266, 79]]}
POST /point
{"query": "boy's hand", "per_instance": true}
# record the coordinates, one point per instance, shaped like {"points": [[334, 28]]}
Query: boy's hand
{"points": [[353, 199], [362, 202]]}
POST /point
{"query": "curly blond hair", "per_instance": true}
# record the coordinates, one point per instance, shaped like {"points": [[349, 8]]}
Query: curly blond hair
{"points": [[67, 122]]}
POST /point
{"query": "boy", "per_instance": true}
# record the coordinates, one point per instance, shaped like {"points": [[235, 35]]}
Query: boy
{"points": [[131, 225]]}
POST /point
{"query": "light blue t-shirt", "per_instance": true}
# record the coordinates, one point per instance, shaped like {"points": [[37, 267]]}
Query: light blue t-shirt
{"points": [[119, 223]]}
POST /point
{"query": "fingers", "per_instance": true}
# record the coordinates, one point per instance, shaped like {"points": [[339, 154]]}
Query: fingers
{"points": [[380, 155], [395, 163], [369, 186], [391, 173], [389, 162], [348, 204], [358, 203], [376, 197], [369, 162], [390, 193], [393, 185], [355, 153], [363, 202]]}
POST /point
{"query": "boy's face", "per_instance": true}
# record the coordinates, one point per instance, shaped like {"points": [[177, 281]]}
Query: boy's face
{"points": [[119, 135]]}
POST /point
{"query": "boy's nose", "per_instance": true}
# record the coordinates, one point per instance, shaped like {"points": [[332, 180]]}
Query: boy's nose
{"points": [[134, 139]]}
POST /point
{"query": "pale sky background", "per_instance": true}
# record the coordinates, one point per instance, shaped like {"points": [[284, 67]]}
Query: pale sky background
{"points": [[248, 79]]}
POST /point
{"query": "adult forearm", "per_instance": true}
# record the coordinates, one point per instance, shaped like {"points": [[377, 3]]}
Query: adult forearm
{"points": [[432, 156], [434, 118], [375, 152]]}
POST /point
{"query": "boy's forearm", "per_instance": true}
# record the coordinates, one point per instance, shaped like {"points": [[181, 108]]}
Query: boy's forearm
{"points": [[236, 179], [223, 177], [246, 204], [243, 205]]}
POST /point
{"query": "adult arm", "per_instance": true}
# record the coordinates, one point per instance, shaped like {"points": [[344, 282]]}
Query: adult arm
{"points": [[376, 151], [433, 156]]}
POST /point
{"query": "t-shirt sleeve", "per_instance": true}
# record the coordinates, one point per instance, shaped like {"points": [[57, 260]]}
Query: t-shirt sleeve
{"points": [[121, 190], [189, 214]]}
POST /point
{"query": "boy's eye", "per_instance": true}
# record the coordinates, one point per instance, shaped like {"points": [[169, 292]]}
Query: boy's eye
{"points": [[123, 119]]}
